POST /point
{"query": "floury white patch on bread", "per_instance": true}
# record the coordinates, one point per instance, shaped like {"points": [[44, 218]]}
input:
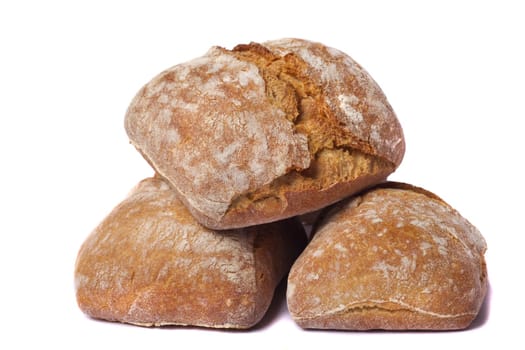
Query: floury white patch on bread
{"points": [[265, 131], [346, 102], [395, 257]]}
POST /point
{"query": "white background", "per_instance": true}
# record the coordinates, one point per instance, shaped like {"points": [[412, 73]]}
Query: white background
{"points": [[453, 71]]}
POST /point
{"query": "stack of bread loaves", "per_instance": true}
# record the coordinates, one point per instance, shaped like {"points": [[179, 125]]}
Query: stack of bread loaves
{"points": [[244, 143]]}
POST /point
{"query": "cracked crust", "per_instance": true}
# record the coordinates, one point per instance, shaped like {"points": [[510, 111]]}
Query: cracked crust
{"points": [[265, 131], [150, 263], [394, 257]]}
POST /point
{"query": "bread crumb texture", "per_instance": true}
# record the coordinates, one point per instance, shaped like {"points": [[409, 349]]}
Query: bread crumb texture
{"points": [[150, 263], [392, 258], [240, 129]]}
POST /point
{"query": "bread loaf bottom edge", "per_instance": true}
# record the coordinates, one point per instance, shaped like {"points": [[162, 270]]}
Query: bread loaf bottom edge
{"points": [[377, 318]]}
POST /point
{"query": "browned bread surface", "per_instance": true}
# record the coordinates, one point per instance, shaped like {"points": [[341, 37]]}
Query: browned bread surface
{"points": [[265, 131], [150, 263], [395, 257]]}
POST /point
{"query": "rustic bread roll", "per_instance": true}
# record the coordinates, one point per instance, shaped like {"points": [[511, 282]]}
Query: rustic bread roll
{"points": [[265, 131], [396, 257], [150, 263]]}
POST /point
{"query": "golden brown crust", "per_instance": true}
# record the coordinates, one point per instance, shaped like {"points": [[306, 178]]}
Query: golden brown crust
{"points": [[150, 263], [350, 96], [394, 257], [409, 187], [287, 202], [235, 130]]}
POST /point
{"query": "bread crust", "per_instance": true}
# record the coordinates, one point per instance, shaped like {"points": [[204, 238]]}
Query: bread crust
{"points": [[290, 203], [395, 257], [150, 263], [235, 126], [352, 95]]}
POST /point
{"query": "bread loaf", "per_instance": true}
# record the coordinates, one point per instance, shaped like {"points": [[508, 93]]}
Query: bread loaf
{"points": [[150, 263], [395, 257], [265, 131]]}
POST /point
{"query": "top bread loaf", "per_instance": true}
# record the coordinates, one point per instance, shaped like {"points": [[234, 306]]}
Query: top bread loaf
{"points": [[265, 131]]}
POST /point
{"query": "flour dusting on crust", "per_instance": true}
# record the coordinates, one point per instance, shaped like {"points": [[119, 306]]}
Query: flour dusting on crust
{"points": [[390, 249], [356, 99], [206, 117]]}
